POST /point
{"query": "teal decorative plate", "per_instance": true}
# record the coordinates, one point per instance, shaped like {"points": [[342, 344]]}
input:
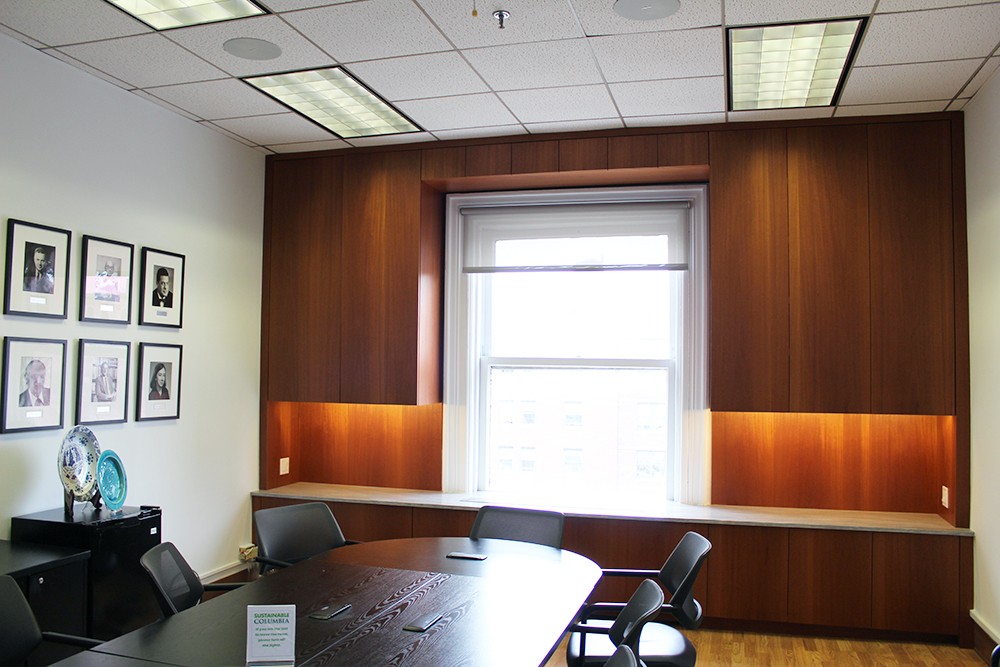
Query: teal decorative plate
{"points": [[111, 480], [77, 462]]}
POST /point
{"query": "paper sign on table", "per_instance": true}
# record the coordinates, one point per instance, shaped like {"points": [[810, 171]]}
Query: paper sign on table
{"points": [[271, 634]]}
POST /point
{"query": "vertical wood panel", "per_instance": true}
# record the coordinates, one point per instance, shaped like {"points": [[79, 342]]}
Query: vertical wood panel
{"points": [[748, 573], [913, 332], [681, 149], [487, 160], [830, 578], [830, 333], [303, 313], [638, 151], [575, 154], [429, 522], [916, 583], [749, 259], [534, 157], [885, 463], [379, 290], [367, 523], [442, 162]]}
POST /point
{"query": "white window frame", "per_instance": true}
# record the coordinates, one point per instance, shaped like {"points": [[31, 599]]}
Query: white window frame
{"points": [[691, 464]]}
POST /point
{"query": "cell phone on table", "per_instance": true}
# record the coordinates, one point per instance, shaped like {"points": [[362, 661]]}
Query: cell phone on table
{"points": [[328, 612]]}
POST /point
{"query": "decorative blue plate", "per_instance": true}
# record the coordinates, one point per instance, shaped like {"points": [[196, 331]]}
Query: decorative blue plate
{"points": [[77, 462], [111, 480]]}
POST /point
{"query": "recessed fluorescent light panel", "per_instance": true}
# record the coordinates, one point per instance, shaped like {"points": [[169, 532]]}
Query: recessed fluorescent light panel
{"points": [[166, 14], [335, 100], [787, 66]]}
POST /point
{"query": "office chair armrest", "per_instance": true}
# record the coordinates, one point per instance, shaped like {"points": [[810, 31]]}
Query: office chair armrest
{"points": [[620, 572], [603, 609], [224, 586], [72, 640], [346, 542], [273, 562]]}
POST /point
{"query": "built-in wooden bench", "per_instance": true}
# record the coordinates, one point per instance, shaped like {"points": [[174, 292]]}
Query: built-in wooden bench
{"points": [[880, 574]]}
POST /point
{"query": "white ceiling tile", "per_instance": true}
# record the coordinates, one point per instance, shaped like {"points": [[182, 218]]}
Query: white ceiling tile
{"points": [[678, 119], [309, 146], [780, 114], [290, 5], [958, 105], [530, 21], [21, 37], [415, 77], [207, 40], [885, 109], [752, 12], [536, 65], [661, 55], [57, 22], [392, 139], [576, 126], [451, 113], [674, 96], [223, 131], [560, 104], [212, 100], [981, 77], [480, 132], [907, 83], [166, 105], [886, 6], [599, 18], [144, 60], [287, 128], [920, 36], [369, 29], [87, 68]]}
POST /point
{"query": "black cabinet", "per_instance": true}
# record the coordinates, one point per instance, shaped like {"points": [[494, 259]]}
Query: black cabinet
{"points": [[119, 596], [54, 581]]}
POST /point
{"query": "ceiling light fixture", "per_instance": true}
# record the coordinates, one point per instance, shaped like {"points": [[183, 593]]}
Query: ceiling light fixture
{"points": [[335, 100], [646, 10], [789, 66], [251, 48], [166, 14]]}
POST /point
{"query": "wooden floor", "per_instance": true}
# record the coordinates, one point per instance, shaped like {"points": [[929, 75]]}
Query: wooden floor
{"points": [[721, 648]]}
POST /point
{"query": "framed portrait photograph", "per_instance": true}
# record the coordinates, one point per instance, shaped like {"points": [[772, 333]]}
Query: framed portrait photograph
{"points": [[158, 391], [102, 395], [162, 292], [37, 268], [34, 381], [106, 281]]}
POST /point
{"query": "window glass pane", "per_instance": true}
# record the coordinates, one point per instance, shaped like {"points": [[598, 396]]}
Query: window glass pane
{"points": [[574, 314], [607, 251], [578, 431]]}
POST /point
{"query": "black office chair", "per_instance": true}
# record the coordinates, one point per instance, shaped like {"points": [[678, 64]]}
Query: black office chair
{"points": [[293, 533], [176, 585], [507, 523], [622, 657], [595, 643], [663, 645], [995, 658], [19, 631]]}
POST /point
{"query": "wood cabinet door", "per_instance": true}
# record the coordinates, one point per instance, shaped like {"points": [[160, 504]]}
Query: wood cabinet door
{"points": [[913, 274], [379, 290], [830, 320], [916, 583], [830, 578], [747, 573], [303, 278], [749, 260]]}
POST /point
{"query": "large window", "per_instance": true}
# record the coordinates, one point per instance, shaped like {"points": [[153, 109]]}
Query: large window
{"points": [[575, 344]]}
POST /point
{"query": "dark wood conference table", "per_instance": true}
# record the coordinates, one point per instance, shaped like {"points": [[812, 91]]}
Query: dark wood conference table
{"points": [[510, 609]]}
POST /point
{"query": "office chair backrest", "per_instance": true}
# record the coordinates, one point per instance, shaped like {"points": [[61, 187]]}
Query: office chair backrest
{"points": [[508, 523], [641, 607], [622, 657], [176, 585], [678, 575], [19, 633], [295, 532], [995, 658]]}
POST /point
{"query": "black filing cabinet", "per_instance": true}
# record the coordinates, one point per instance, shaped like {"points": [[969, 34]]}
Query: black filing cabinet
{"points": [[54, 581], [119, 595]]}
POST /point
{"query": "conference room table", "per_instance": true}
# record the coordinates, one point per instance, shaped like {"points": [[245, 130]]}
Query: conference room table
{"points": [[510, 609]]}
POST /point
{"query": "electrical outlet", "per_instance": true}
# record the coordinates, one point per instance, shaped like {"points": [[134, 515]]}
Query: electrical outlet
{"points": [[248, 552], [283, 465], [944, 496]]}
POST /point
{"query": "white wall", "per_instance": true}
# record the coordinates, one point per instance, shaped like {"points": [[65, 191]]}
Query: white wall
{"points": [[982, 145], [78, 153]]}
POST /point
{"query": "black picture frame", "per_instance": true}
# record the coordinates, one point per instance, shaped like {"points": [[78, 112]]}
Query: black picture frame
{"points": [[154, 309], [102, 381], [106, 280], [30, 363], [37, 270], [154, 358]]}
